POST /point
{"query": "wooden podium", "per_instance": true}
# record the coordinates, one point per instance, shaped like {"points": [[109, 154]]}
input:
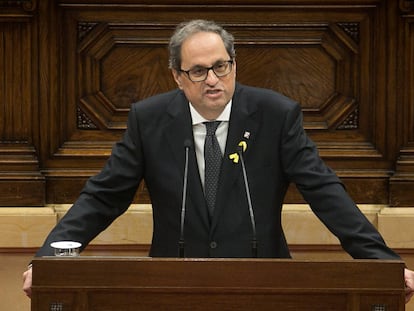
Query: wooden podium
{"points": [[131, 283]]}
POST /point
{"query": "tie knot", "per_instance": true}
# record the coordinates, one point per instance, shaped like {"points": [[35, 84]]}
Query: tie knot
{"points": [[211, 127]]}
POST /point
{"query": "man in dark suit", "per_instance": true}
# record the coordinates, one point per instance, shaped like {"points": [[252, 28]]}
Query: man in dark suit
{"points": [[261, 126]]}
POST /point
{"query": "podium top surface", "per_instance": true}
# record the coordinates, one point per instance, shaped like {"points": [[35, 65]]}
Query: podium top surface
{"points": [[148, 272]]}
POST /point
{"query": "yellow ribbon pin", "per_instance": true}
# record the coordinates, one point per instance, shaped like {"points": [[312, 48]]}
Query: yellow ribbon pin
{"points": [[243, 144], [235, 156]]}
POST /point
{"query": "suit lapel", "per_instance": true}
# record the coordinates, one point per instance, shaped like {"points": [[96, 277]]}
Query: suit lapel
{"points": [[178, 130], [242, 126], [242, 123]]}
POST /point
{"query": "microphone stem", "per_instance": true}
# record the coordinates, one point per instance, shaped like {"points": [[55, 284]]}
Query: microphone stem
{"points": [[181, 248], [254, 248], [249, 201], [183, 202]]}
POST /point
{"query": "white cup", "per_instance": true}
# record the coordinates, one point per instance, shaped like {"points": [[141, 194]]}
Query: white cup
{"points": [[66, 248]]}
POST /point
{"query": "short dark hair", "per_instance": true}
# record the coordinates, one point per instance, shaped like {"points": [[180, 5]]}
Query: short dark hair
{"points": [[186, 29]]}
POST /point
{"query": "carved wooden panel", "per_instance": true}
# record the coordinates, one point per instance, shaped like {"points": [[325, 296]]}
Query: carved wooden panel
{"points": [[120, 63], [79, 65], [402, 181], [14, 8], [21, 182], [319, 57]]}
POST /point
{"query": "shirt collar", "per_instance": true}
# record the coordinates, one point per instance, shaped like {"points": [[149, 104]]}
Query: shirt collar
{"points": [[198, 119]]}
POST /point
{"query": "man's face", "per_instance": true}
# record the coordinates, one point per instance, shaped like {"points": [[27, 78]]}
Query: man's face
{"points": [[208, 97]]}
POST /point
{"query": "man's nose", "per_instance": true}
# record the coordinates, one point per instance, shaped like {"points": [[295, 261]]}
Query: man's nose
{"points": [[211, 77]]}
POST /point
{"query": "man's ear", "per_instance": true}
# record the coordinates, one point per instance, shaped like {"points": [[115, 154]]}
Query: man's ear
{"points": [[177, 78]]}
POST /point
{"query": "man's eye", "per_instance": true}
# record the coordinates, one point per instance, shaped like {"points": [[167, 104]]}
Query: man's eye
{"points": [[198, 71], [220, 67]]}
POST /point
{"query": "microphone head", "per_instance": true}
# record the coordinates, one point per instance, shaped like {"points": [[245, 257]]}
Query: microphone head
{"points": [[188, 143]]}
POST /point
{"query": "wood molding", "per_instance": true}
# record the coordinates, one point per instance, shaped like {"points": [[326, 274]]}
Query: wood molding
{"points": [[21, 182], [107, 53], [26, 5], [407, 6], [402, 181], [76, 67]]}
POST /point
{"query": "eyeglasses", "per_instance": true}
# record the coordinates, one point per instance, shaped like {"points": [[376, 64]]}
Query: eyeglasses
{"points": [[199, 74]]}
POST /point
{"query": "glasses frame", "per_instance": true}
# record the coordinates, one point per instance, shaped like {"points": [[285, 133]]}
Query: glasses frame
{"points": [[229, 62]]}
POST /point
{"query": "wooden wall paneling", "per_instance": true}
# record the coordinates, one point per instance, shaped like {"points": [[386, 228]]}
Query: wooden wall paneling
{"points": [[402, 182], [326, 66], [52, 46], [107, 65], [21, 182], [406, 5], [331, 57], [50, 80]]}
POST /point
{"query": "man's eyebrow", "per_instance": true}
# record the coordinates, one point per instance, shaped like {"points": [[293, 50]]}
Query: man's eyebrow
{"points": [[215, 63]]}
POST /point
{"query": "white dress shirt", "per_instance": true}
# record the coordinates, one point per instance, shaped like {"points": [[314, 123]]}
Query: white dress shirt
{"points": [[199, 132]]}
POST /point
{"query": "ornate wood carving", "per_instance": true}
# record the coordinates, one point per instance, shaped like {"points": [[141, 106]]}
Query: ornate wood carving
{"points": [[402, 181], [324, 61], [21, 182], [84, 28], [120, 73], [122, 63], [25, 5], [317, 63], [406, 5], [352, 29], [304, 62], [351, 122], [73, 69], [84, 122]]}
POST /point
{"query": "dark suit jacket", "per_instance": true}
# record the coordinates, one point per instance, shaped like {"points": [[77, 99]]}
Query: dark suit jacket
{"points": [[278, 152]]}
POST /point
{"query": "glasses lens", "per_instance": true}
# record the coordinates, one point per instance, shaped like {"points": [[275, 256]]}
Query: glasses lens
{"points": [[199, 74], [222, 69]]}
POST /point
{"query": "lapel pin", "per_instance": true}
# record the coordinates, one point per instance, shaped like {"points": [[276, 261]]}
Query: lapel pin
{"points": [[234, 157], [243, 144], [246, 135]]}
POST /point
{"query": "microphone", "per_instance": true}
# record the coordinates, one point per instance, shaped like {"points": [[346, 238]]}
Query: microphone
{"points": [[240, 149], [181, 244]]}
